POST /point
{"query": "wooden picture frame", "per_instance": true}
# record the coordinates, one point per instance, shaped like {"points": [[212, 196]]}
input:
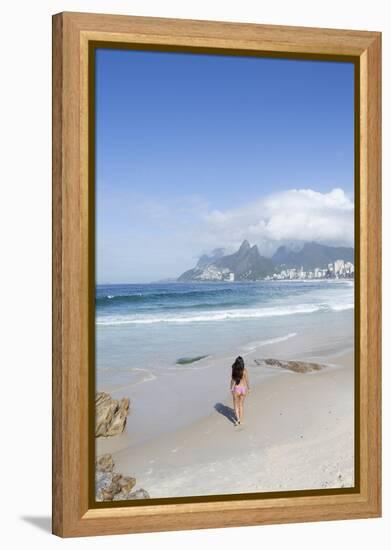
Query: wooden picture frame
{"points": [[73, 254]]}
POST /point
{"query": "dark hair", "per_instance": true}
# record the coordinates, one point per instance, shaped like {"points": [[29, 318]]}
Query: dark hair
{"points": [[237, 369]]}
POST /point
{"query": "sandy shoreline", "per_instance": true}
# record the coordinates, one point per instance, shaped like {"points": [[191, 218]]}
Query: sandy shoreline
{"points": [[297, 434]]}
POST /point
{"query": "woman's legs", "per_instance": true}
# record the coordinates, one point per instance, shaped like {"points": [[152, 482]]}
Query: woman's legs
{"points": [[236, 404], [240, 407]]}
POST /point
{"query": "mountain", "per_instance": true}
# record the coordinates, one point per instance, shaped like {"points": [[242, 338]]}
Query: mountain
{"points": [[205, 260], [311, 255], [246, 264]]}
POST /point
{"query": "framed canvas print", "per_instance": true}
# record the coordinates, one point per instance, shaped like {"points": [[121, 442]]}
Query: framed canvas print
{"points": [[216, 274]]}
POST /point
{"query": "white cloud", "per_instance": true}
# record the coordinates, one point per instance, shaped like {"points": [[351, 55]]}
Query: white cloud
{"points": [[293, 215]]}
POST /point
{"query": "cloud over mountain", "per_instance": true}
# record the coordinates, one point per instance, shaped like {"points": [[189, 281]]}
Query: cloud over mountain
{"points": [[152, 238], [291, 216]]}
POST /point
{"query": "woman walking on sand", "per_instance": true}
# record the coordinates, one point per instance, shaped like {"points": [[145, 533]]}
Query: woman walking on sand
{"points": [[240, 386]]}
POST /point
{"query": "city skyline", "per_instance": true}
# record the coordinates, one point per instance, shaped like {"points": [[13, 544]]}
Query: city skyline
{"points": [[340, 269]]}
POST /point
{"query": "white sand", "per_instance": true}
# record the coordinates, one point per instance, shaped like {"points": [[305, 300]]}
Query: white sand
{"points": [[297, 434]]}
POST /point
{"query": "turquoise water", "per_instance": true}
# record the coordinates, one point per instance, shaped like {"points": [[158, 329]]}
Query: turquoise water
{"points": [[142, 330]]}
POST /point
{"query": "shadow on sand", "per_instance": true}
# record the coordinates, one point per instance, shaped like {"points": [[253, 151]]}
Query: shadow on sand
{"points": [[226, 411]]}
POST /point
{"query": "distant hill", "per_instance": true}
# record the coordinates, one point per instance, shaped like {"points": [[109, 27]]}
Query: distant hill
{"points": [[311, 255], [247, 264], [206, 260]]}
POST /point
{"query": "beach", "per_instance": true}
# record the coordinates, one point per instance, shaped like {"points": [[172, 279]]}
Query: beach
{"points": [[298, 427]]}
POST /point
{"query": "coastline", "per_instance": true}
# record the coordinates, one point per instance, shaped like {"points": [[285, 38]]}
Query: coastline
{"points": [[297, 431]]}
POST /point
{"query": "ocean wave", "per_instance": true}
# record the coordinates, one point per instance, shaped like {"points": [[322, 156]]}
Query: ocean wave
{"points": [[260, 343], [341, 307], [131, 377], [226, 315], [157, 296], [148, 377]]}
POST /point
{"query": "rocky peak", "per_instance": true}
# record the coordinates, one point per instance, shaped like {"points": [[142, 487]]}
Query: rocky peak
{"points": [[245, 246], [205, 260]]}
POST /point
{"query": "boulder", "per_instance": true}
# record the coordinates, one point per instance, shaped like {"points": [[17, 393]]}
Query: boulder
{"points": [[110, 415], [300, 367], [104, 489], [104, 463], [110, 485], [140, 493], [126, 483]]}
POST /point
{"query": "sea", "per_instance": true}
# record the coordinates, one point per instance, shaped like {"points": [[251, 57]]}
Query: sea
{"points": [[144, 331]]}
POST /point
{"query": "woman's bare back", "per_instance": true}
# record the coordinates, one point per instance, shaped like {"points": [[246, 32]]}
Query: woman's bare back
{"points": [[244, 380]]}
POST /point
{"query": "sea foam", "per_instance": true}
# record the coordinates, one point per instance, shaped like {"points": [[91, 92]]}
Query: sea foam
{"points": [[223, 315], [252, 346]]}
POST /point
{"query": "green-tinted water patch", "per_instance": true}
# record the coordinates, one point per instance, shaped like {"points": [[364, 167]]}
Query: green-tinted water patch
{"points": [[189, 360]]}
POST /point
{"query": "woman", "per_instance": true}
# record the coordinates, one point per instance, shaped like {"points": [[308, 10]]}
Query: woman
{"points": [[240, 386]]}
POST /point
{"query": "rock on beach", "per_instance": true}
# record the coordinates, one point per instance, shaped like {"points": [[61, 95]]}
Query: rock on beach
{"points": [[110, 485], [110, 415], [300, 367]]}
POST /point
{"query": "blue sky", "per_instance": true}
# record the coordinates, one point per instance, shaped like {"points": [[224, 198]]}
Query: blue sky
{"points": [[189, 145]]}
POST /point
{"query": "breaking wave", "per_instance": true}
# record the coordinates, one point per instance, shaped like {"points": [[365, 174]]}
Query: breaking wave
{"points": [[223, 315]]}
